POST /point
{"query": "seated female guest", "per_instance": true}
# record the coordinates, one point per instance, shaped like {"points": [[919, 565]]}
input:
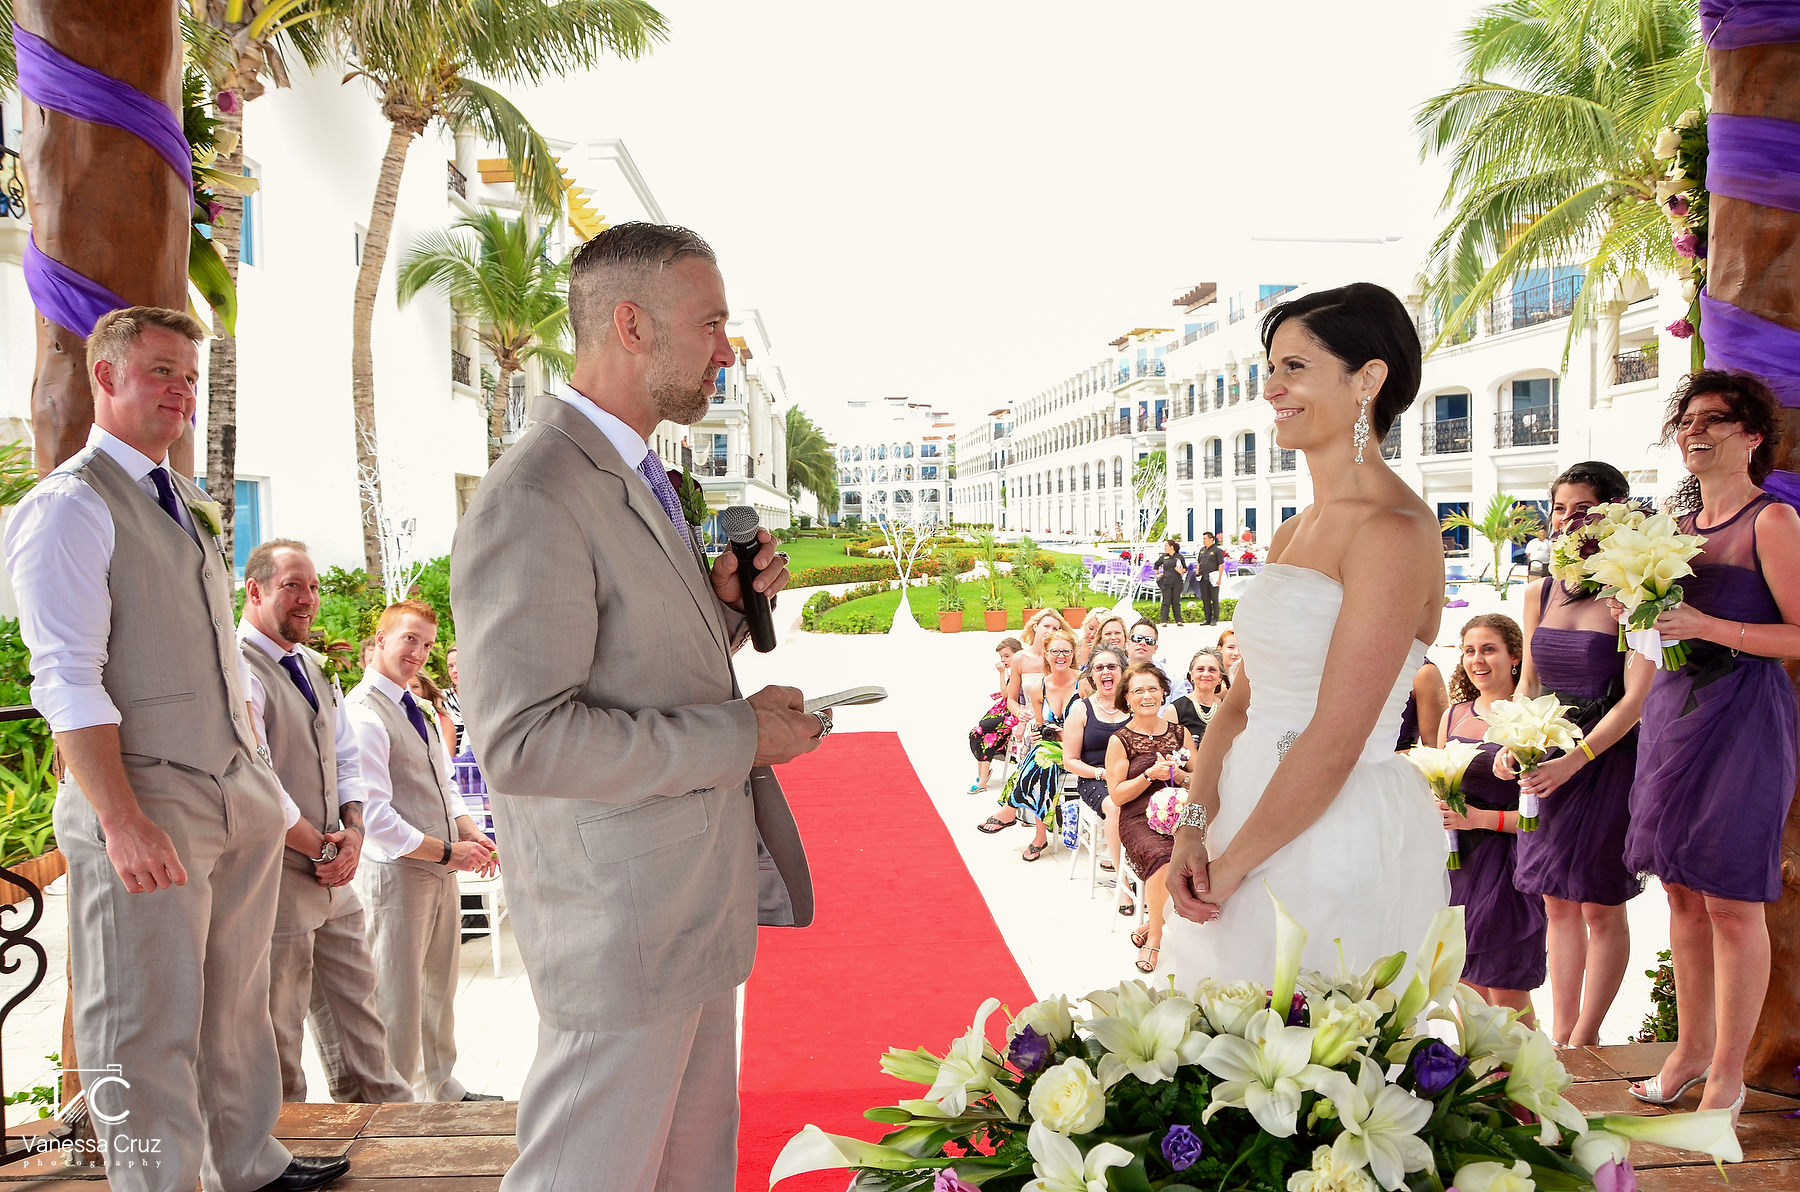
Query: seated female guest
{"points": [[1140, 761], [1036, 785], [1111, 631], [993, 732], [1228, 649], [1091, 724], [1715, 770], [1505, 928], [432, 696], [1090, 637], [1206, 678], [1576, 858]]}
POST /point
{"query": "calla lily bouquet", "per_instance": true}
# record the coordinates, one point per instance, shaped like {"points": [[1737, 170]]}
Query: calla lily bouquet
{"points": [[1570, 552], [1312, 1083], [1444, 769], [1530, 729], [1638, 565]]}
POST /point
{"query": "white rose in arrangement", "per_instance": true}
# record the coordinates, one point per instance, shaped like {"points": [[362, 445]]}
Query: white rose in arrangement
{"points": [[1667, 142], [1495, 1177], [1050, 1018], [1068, 1098], [1230, 1005], [1689, 118], [1329, 1175], [1690, 289]]}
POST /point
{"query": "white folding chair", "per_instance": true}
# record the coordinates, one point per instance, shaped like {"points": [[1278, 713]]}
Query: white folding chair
{"points": [[1091, 835], [492, 910], [1129, 884]]}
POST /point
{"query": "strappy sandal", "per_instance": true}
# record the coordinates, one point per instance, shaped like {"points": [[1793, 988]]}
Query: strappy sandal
{"points": [[1034, 851], [1141, 936], [1653, 1092], [994, 823], [1109, 867], [1128, 908], [1150, 967]]}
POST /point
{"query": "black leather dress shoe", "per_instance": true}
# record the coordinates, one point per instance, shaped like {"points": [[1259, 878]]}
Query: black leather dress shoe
{"points": [[482, 1097], [305, 1172]]}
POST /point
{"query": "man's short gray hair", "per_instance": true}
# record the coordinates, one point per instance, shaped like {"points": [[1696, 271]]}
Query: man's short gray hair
{"points": [[620, 265]]}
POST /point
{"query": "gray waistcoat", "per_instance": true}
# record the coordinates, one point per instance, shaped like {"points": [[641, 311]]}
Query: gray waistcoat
{"points": [[415, 772], [302, 743], [171, 655]]}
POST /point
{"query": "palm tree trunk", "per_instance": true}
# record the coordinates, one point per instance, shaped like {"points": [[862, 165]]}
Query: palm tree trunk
{"points": [[102, 201], [1750, 264], [362, 354], [497, 408]]}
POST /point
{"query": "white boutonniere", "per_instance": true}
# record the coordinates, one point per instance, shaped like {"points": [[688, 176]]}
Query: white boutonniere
{"points": [[209, 515]]}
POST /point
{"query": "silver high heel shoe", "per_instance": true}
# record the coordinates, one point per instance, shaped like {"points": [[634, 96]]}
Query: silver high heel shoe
{"points": [[1653, 1092]]}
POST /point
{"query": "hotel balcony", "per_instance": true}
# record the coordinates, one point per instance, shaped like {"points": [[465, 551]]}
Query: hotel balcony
{"points": [[1531, 426], [461, 368], [1390, 442], [1184, 469], [1244, 463], [1211, 467], [1281, 459], [1444, 436], [1533, 305], [1632, 367]]}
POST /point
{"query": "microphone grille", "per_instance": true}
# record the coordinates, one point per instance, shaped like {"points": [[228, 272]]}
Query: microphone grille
{"points": [[738, 523]]}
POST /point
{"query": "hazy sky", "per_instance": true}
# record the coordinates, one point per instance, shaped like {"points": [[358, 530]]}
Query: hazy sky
{"points": [[963, 202]]}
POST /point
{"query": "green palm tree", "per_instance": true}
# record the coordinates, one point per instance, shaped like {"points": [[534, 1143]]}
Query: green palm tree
{"points": [[1550, 136], [423, 59], [811, 463], [505, 278], [1506, 522]]}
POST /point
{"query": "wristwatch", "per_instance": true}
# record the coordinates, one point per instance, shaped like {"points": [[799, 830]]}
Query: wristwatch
{"points": [[326, 854]]}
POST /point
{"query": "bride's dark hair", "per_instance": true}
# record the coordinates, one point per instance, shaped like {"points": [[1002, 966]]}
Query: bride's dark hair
{"points": [[1462, 688], [1358, 323]]}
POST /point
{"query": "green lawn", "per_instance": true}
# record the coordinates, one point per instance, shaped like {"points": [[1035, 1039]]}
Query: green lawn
{"points": [[816, 552], [924, 602]]}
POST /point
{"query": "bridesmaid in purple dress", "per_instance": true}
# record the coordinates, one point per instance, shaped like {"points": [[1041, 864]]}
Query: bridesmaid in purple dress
{"points": [[1505, 927], [1576, 858], [1716, 768]]}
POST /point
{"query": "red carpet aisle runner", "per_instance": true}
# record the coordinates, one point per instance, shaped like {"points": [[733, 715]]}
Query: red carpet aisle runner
{"points": [[901, 953]]}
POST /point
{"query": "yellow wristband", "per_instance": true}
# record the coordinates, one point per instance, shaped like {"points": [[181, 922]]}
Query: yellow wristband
{"points": [[1586, 750]]}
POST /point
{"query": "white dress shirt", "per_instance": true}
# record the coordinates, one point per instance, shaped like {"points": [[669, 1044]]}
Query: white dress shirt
{"points": [[387, 837], [59, 547], [349, 769]]}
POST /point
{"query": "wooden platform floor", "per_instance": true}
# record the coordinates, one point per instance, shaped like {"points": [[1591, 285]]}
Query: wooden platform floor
{"points": [[467, 1148]]}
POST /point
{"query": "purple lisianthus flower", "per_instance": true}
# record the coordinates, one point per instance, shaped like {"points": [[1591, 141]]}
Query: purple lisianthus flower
{"points": [[1687, 244], [1678, 205], [948, 1181], [1297, 1010], [229, 102], [1181, 1147], [215, 209], [1680, 329], [1029, 1051], [1616, 1175], [1436, 1066]]}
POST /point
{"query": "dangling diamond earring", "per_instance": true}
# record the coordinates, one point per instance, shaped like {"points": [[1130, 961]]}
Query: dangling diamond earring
{"points": [[1361, 434]]}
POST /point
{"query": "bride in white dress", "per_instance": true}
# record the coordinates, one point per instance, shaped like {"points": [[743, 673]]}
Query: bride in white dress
{"points": [[1302, 789]]}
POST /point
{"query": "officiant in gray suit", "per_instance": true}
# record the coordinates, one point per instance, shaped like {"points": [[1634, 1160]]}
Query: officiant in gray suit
{"points": [[632, 777]]}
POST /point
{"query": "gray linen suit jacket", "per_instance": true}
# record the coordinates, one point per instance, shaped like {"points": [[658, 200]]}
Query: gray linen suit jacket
{"points": [[598, 687]]}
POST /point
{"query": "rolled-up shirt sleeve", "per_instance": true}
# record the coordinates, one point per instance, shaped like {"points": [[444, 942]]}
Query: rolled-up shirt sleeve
{"points": [[59, 546], [385, 834]]}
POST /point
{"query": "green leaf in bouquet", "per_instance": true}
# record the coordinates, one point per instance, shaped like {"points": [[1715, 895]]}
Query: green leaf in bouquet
{"points": [[891, 1115], [1455, 800]]}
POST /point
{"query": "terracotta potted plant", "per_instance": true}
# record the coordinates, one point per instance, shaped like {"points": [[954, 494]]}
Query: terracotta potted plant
{"points": [[949, 594], [1030, 583], [27, 839], [1073, 577], [993, 600]]}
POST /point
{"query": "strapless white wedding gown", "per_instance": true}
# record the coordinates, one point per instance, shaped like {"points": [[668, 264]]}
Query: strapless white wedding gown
{"points": [[1369, 873]]}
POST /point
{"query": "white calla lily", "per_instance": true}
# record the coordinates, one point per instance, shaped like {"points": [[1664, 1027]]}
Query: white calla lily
{"points": [[1264, 1072], [814, 1150], [1145, 1037], [1290, 943], [1061, 1167], [1381, 1125], [1442, 954], [1708, 1132]]}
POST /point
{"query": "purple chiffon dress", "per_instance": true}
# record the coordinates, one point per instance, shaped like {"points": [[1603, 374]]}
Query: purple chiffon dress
{"points": [[1715, 771], [1507, 929], [1578, 851]]}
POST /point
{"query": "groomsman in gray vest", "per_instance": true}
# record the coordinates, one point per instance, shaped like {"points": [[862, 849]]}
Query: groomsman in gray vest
{"points": [[419, 836], [633, 778], [319, 957], [169, 814]]}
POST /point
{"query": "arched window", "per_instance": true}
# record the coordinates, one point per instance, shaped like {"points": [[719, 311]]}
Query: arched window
{"points": [[1118, 472]]}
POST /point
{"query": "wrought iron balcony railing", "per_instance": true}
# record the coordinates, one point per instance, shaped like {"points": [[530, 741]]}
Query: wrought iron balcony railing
{"points": [[461, 367], [1631, 367], [1211, 467], [1444, 436], [1390, 442], [1245, 463], [1281, 459], [458, 181], [1527, 426]]}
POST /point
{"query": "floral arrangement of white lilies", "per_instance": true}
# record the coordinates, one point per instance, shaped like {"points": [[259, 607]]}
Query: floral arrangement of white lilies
{"points": [[1638, 563], [1529, 729], [1314, 1083], [1444, 769], [1581, 541]]}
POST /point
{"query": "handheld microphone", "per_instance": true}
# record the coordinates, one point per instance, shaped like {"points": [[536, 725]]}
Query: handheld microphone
{"points": [[738, 523]]}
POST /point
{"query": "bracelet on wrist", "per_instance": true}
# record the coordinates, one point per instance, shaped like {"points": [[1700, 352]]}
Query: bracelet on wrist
{"points": [[1585, 748], [446, 859]]}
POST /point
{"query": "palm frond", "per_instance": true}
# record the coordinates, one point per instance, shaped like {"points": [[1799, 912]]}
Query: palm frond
{"points": [[494, 117], [527, 41]]}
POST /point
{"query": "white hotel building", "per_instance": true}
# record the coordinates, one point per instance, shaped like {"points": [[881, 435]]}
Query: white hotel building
{"points": [[895, 454], [1497, 412], [316, 148]]}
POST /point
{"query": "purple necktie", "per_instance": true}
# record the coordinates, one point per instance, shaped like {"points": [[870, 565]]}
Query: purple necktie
{"points": [[291, 664], [165, 494], [651, 470], [413, 714]]}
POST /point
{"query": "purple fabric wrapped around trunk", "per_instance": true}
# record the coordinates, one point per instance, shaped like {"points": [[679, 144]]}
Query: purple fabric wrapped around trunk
{"points": [[1754, 158], [51, 79], [65, 297], [1736, 338], [1734, 24]]}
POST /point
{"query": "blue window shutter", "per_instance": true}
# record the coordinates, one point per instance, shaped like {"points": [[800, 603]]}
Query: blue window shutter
{"points": [[246, 529]]}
